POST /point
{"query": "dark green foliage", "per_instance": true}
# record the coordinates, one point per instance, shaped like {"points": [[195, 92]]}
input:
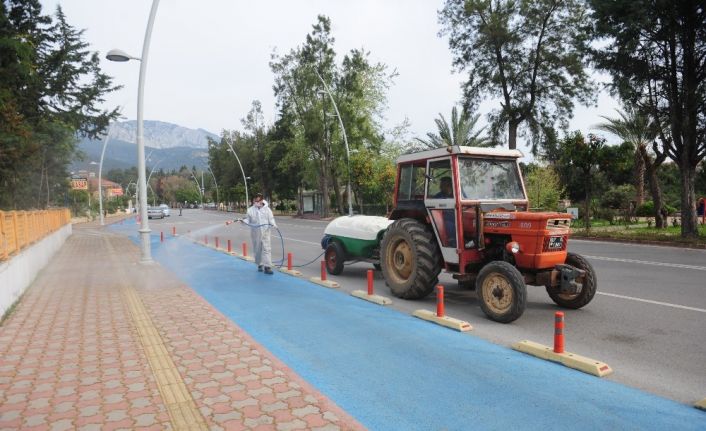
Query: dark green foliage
{"points": [[648, 209], [618, 164], [50, 87], [530, 54], [654, 50], [618, 197], [579, 166], [460, 131], [309, 134]]}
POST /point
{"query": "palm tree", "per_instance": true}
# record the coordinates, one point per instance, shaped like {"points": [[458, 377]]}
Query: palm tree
{"points": [[639, 130], [459, 132]]}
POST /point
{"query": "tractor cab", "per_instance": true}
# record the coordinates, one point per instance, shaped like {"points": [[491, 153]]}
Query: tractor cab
{"points": [[452, 189], [464, 209]]}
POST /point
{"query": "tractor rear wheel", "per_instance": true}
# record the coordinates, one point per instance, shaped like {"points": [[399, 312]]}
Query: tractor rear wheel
{"points": [[411, 260], [335, 256], [588, 291], [502, 292]]}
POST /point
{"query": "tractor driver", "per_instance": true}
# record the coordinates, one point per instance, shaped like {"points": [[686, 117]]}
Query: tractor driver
{"points": [[446, 191]]}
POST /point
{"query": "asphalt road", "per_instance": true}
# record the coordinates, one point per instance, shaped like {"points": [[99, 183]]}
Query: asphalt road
{"points": [[648, 320]]}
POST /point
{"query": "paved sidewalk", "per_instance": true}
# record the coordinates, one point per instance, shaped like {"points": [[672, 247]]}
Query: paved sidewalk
{"points": [[100, 341]]}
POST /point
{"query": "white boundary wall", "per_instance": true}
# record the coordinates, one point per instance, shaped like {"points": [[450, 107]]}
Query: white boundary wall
{"points": [[20, 270]]}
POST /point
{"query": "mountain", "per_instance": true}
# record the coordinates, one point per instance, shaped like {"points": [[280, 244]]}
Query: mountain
{"points": [[167, 145], [158, 134]]}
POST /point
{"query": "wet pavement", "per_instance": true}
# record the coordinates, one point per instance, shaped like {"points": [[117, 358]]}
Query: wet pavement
{"points": [[100, 341]]}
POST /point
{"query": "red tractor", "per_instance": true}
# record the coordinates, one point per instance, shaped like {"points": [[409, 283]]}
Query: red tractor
{"points": [[465, 210]]}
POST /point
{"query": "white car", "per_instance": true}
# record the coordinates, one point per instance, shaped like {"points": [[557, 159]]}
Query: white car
{"points": [[155, 212], [165, 210]]}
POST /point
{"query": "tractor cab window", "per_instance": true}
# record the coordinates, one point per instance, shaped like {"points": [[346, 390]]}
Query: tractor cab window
{"points": [[440, 180], [490, 179], [411, 186]]}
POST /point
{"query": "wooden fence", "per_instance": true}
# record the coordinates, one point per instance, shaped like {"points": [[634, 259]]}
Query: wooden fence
{"points": [[19, 229]]}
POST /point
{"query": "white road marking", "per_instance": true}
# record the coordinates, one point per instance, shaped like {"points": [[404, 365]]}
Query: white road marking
{"points": [[666, 304], [301, 240], [645, 262], [627, 244]]}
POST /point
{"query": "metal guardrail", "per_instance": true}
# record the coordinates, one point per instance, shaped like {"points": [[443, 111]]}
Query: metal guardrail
{"points": [[19, 229]]}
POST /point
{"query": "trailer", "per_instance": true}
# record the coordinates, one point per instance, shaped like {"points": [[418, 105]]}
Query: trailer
{"points": [[349, 239]]}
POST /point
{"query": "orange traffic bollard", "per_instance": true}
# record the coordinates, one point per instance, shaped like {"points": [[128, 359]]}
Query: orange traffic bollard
{"points": [[370, 282], [161, 237], [559, 332], [245, 248], [173, 230], [440, 301], [216, 242], [289, 261], [230, 249], [323, 270]]}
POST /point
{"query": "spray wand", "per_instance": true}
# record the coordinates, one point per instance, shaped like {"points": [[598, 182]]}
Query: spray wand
{"points": [[281, 238]]}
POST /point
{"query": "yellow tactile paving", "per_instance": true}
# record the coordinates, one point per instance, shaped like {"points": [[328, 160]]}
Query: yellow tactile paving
{"points": [[108, 354], [180, 405]]}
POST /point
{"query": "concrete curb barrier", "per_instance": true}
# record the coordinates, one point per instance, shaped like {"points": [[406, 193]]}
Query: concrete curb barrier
{"points": [[376, 299], [571, 360], [449, 322], [326, 283], [701, 404], [18, 273], [292, 272]]}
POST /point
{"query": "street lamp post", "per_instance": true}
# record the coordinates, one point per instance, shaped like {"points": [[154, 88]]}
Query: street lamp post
{"points": [[200, 187], [117, 55], [345, 140], [100, 175], [218, 198], [245, 179]]}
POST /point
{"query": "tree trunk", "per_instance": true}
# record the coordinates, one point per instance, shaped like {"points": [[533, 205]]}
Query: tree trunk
{"points": [[587, 206], [512, 134], [337, 192], [689, 223], [655, 189], [48, 191], [324, 189], [639, 178], [300, 202]]}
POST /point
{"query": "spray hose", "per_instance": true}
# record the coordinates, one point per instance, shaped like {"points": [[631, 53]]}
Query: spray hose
{"points": [[280, 263]]}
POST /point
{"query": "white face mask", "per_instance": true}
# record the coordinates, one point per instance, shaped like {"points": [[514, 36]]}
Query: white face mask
{"points": [[258, 204]]}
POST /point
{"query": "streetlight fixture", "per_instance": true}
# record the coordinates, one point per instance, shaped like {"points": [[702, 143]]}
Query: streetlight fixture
{"points": [[100, 174], [345, 140], [200, 187], [218, 198], [121, 56], [245, 179]]}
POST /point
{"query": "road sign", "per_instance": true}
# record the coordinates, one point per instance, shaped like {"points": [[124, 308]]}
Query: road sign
{"points": [[79, 183]]}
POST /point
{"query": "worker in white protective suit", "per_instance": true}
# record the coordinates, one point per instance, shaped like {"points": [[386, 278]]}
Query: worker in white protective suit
{"points": [[261, 221]]}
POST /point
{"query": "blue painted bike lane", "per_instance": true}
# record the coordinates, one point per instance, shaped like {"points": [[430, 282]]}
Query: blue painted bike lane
{"points": [[392, 371]]}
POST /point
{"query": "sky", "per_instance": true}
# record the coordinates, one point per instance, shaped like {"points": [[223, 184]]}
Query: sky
{"points": [[209, 60]]}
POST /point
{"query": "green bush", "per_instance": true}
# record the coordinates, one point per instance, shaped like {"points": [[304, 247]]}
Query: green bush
{"points": [[607, 214], [648, 209], [618, 197]]}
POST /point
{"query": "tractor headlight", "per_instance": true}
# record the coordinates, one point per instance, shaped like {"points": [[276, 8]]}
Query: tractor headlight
{"points": [[512, 247]]}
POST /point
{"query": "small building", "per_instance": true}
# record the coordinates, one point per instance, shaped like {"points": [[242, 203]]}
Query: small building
{"points": [[110, 189]]}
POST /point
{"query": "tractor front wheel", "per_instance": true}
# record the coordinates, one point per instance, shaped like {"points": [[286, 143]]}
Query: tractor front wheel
{"points": [[588, 290], [334, 257], [501, 291], [410, 258]]}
